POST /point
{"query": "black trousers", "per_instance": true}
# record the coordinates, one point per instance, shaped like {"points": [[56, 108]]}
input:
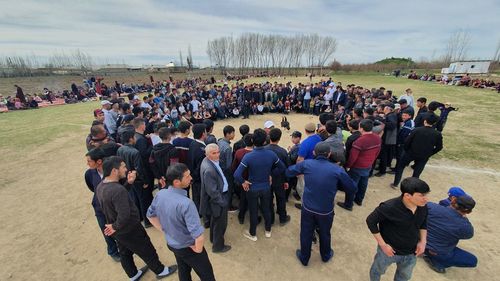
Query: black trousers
{"points": [[405, 160], [196, 194], [137, 242], [386, 154], [243, 206], [187, 259], [218, 226], [279, 192], [254, 198], [230, 186]]}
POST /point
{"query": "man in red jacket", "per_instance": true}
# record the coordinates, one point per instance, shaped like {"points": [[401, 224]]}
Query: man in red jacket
{"points": [[363, 153]]}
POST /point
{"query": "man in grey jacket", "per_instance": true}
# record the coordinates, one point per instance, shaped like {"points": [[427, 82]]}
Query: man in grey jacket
{"points": [[214, 197]]}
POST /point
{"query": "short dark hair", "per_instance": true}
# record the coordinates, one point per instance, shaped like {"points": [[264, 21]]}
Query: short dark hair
{"points": [[275, 134], [431, 119], [126, 136], [95, 154], [228, 129], [369, 110], [164, 133], [95, 130], [209, 124], [366, 125], [248, 139], [184, 126], [433, 105], [125, 106], [109, 149], [158, 125], [244, 129], [358, 111], [199, 130], [137, 110], [259, 137], [175, 172], [354, 124], [331, 126], [413, 185], [422, 100], [137, 122], [110, 163], [325, 117]]}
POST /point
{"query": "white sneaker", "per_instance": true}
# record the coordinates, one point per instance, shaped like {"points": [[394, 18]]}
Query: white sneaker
{"points": [[268, 234], [249, 236]]}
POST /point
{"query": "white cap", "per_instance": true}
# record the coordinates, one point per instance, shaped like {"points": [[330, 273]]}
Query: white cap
{"points": [[269, 124], [104, 102], [136, 98], [331, 84]]}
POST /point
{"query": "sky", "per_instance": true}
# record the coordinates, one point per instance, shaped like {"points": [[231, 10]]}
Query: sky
{"points": [[153, 31]]}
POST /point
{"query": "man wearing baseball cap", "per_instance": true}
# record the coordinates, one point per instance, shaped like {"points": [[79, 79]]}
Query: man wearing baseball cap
{"points": [[446, 226], [453, 193]]}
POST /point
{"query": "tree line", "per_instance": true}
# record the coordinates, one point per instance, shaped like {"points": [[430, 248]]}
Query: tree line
{"points": [[273, 52]]}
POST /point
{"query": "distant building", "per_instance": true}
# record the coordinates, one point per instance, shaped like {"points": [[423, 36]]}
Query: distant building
{"points": [[468, 67]]}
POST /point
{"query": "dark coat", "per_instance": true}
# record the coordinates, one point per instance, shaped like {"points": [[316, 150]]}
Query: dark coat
{"points": [[212, 199]]}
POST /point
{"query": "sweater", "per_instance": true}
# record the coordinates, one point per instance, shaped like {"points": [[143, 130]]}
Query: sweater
{"points": [[364, 151]]}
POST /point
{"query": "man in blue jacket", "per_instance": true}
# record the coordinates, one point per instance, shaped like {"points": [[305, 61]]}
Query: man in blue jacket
{"points": [[322, 179], [261, 165]]}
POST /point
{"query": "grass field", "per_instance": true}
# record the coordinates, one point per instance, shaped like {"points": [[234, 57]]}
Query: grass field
{"points": [[471, 135]]}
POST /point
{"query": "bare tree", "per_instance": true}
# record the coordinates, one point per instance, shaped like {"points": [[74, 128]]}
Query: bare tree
{"points": [[457, 46], [326, 47], [180, 59]]}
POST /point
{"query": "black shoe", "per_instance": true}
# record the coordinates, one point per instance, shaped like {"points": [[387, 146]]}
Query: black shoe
{"points": [[432, 266], [147, 224], [343, 206], [298, 206], [296, 196], [223, 250], [393, 186], [412, 166], [241, 220], [206, 224], [379, 174], [116, 257], [359, 203], [287, 220], [391, 172], [328, 258], [143, 271], [171, 270], [298, 255]]}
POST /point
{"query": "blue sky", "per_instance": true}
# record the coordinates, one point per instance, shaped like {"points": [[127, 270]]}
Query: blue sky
{"points": [[153, 31]]}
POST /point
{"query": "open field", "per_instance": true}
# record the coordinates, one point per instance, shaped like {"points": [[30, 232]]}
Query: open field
{"points": [[49, 230]]}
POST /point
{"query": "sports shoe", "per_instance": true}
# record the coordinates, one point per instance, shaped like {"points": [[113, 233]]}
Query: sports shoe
{"points": [[171, 270], [287, 220], [343, 206], [268, 234], [432, 266], [249, 236]]}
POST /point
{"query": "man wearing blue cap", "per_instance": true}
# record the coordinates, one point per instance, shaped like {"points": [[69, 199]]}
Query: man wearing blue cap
{"points": [[453, 193], [446, 226]]}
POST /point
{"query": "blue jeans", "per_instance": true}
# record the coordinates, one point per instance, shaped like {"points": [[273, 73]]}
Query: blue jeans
{"points": [[101, 221], [308, 223], [360, 179], [307, 105], [381, 262], [457, 257]]}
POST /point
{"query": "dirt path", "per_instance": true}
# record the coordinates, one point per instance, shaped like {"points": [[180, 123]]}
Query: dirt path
{"points": [[49, 230]]}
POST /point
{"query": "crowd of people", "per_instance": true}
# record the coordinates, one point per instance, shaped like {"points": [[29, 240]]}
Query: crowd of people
{"points": [[165, 141], [459, 80]]}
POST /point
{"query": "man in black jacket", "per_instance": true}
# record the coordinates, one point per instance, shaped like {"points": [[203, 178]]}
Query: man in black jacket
{"points": [[279, 183], [123, 222], [195, 155], [419, 146], [162, 156], [144, 146]]}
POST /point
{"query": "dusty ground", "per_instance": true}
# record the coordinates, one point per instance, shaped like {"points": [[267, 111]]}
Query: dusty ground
{"points": [[49, 231]]}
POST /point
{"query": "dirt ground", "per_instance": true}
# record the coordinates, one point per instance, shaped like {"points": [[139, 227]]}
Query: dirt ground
{"points": [[49, 231]]}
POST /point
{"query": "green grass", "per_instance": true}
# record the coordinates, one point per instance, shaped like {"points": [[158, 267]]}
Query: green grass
{"points": [[471, 136]]}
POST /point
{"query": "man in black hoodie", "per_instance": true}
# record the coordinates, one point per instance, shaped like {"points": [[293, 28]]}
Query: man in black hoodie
{"points": [[162, 156], [195, 156]]}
